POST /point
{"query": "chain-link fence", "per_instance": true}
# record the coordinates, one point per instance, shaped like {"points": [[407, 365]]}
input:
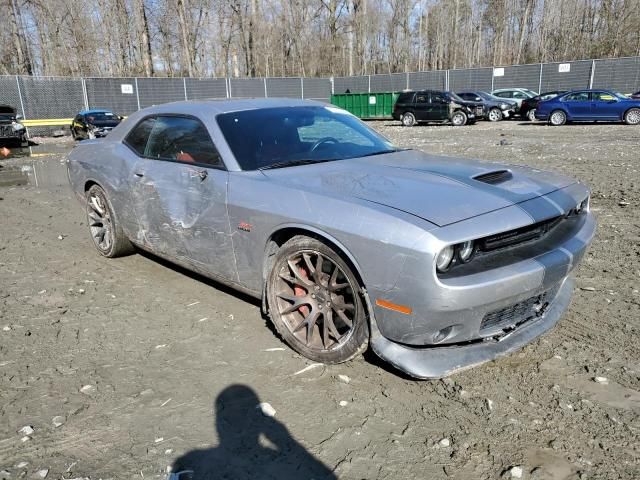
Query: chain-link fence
{"points": [[41, 98]]}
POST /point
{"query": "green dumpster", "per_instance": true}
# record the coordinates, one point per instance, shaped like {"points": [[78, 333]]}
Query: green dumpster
{"points": [[367, 105]]}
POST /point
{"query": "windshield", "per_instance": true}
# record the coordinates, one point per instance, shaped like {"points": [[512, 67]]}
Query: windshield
{"points": [[286, 136], [101, 117], [455, 97]]}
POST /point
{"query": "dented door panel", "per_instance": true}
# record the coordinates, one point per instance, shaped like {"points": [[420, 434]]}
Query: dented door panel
{"points": [[182, 212]]}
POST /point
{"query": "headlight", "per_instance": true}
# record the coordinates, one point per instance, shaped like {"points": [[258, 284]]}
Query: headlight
{"points": [[466, 251], [445, 257], [17, 126], [583, 206]]}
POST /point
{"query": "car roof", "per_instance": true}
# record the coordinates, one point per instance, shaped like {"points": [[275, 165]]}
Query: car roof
{"points": [[94, 110], [217, 106]]}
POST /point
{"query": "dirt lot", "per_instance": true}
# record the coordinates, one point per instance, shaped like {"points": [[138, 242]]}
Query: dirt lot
{"points": [[122, 367]]}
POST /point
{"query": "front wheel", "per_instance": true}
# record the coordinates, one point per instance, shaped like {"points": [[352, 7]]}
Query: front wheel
{"points": [[495, 115], [408, 119], [315, 302], [459, 118], [632, 117], [558, 118], [106, 233], [531, 115]]}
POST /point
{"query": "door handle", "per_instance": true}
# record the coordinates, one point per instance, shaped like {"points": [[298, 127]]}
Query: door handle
{"points": [[138, 174], [203, 174]]}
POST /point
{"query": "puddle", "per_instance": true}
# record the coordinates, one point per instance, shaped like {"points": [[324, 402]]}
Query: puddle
{"points": [[41, 166]]}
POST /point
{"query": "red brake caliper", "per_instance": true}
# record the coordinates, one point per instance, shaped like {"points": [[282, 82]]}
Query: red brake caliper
{"points": [[301, 292]]}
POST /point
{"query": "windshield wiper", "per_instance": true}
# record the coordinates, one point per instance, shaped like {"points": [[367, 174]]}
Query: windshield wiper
{"points": [[294, 163], [382, 152]]}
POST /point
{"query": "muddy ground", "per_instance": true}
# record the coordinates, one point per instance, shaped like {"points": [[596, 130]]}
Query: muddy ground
{"points": [[121, 367]]}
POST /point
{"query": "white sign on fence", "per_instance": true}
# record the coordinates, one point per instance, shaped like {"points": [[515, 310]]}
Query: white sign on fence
{"points": [[372, 100], [498, 72], [564, 67], [126, 88]]}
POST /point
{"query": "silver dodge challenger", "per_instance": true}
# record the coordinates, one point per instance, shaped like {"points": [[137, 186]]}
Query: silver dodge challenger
{"points": [[437, 263]]}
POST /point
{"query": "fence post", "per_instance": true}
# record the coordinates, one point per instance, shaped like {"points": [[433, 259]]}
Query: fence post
{"points": [[84, 93], [227, 86], [369, 85], [302, 88], [332, 85], [20, 96], [184, 85], [446, 80], [266, 95], [407, 86], [540, 80], [493, 71], [593, 71], [135, 80]]}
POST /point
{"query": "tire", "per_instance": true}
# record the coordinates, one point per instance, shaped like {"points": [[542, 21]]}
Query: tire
{"points": [[304, 305], [495, 115], [632, 116], [531, 115], [557, 118], [106, 233], [408, 119], [459, 118]]}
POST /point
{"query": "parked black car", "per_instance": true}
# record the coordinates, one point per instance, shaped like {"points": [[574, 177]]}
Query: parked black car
{"points": [[435, 106], [529, 105], [93, 123], [496, 108], [11, 130]]}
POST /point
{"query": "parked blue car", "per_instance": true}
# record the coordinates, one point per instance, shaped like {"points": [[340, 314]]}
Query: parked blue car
{"points": [[589, 106]]}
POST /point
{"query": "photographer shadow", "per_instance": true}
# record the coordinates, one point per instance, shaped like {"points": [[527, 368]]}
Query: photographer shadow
{"points": [[251, 446]]}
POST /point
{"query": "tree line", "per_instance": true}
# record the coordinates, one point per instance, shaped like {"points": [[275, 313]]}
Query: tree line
{"points": [[273, 38]]}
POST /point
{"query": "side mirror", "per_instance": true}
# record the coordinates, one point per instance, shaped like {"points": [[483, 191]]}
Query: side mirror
{"points": [[120, 117], [478, 99]]}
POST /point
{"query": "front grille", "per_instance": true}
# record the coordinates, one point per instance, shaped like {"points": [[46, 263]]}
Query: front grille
{"points": [[8, 131], [508, 318], [518, 235]]}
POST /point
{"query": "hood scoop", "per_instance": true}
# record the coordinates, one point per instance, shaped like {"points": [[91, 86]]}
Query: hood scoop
{"points": [[494, 177]]}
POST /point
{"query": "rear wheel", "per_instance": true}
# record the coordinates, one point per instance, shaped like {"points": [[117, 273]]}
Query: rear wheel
{"points": [[632, 117], [495, 115], [408, 119], [315, 303], [459, 118], [557, 118], [106, 233], [531, 115]]}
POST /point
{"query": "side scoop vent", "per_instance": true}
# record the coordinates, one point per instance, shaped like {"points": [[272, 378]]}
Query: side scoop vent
{"points": [[495, 177]]}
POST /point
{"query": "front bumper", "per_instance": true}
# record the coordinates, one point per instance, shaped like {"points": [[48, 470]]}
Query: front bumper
{"points": [[438, 362]]}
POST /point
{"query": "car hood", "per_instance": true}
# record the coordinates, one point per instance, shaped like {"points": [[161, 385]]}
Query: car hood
{"points": [[441, 190]]}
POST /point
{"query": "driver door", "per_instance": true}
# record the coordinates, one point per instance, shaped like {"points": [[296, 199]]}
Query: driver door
{"points": [[179, 194]]}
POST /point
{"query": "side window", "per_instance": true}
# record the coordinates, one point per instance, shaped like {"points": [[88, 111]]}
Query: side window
{"points": [[182, 139], [577, 97], [519, 95], [437, 98], [422, 98], [466, 96], [603, 96], [503, 94], [137, 138]]}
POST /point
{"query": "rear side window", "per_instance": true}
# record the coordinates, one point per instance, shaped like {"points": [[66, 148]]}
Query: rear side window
{"points": [[137, 138], [422, 98], [577, 97], [181, 139], [503, 94], [405, 97]]}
